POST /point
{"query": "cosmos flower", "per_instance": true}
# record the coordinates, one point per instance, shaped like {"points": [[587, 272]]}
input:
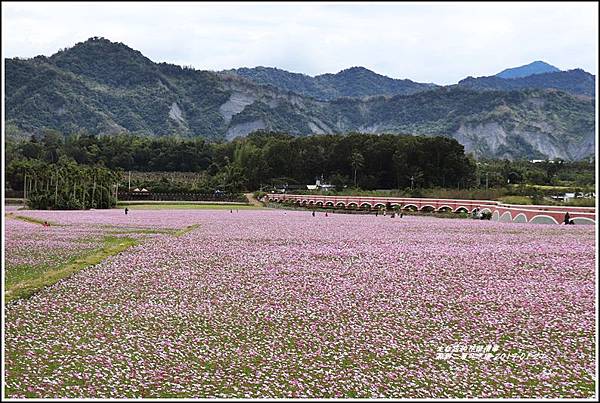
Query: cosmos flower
{"points": [[266, 304]]}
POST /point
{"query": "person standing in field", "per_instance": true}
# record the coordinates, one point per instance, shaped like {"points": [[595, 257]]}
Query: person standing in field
{"points": [[126, 210], [567, 218]]}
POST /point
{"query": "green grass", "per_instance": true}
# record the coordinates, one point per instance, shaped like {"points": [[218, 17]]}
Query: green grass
{"points": [[142, 231], [30, 219], [581, 202], [181, 206], [546, 187], [174, 232], [36, 280], [185, 230], [33, 278], [516, 200]]}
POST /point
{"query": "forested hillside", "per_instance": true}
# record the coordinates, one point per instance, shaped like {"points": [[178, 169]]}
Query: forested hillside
{"points": [[105, 88], [576, 82], [355, 82]]}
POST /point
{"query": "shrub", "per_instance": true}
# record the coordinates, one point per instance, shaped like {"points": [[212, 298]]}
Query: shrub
{"points": [[486, 215], [258, 195]]}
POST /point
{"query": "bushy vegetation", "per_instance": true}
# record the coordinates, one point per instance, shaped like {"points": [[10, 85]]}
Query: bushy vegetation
{"points": [[378, 165], [64, 185], [262, 160], [527, 176]]}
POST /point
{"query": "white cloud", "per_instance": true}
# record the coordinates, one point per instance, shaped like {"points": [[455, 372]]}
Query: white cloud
{"points": [[439, 43]]}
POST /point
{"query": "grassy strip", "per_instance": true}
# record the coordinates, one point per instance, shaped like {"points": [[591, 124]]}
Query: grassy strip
{"points": [[189, 206], [174, 232], [580, 202], [180, 202], [516, 200], [134, 202], [185, 230], [544, 187], [112, 246], [26, 288], [143, 231], [30, 219]]}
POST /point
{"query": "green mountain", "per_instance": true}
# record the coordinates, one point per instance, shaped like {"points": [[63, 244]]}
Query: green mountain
{"points": [[103, 87], [537, 67], [576, 82], [355, 82]]}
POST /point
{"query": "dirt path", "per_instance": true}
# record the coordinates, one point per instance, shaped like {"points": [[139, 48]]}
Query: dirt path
{"points": [[252, 200]]}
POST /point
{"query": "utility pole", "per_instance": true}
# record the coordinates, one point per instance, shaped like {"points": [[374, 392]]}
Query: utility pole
{"points": [[412, 180]]}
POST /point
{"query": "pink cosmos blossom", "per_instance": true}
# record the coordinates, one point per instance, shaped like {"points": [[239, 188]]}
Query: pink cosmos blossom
{"points": [[266, 304]]}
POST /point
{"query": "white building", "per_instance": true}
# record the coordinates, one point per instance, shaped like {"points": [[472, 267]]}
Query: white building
{"points": [[319, 185]]}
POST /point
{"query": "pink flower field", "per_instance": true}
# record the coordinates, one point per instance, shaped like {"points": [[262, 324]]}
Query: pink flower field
{"points": [[32, 247], [273, 303]]}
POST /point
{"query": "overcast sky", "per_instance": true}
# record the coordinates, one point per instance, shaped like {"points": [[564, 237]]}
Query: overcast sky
{"points": [[440, 43]]}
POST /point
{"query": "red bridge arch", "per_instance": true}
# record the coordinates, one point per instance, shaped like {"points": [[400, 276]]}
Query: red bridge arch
{"points": [[500, 211]]}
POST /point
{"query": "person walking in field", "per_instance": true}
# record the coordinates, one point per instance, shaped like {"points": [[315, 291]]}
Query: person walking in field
{"points": [[313, 213], [567, 218], [126, 210]]}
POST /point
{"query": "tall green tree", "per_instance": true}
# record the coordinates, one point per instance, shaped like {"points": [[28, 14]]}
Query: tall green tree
{"points": [[357, 162]]}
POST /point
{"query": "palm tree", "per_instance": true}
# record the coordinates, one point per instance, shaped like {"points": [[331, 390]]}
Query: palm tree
{"points": [[357, 160], [416, 177], [233, 178]]}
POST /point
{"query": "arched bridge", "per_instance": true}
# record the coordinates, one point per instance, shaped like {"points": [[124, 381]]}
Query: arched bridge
{"points": [[500, 211]]}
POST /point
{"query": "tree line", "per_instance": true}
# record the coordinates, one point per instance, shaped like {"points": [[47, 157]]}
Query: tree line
{"points": [[366, 161]]}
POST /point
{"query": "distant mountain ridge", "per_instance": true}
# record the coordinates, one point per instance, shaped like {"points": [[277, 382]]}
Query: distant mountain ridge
{"points": [[359, 82], [576, 82], [537, 67], [355, 82], [104, 87]]}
